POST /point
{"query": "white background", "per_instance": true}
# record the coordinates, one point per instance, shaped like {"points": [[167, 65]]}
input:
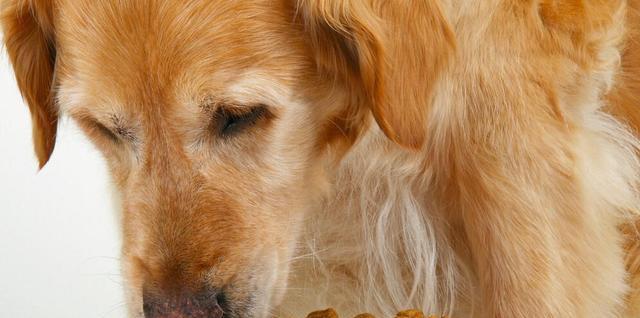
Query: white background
{"points": [[59, 235]]}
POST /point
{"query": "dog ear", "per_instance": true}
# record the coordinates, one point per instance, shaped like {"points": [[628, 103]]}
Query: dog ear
{"points": [[393, 51], [28, 35]]}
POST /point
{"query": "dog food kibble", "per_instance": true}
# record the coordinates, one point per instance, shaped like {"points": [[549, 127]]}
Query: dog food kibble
{"points": [[410, 314], [330, 313], [327, 313]]}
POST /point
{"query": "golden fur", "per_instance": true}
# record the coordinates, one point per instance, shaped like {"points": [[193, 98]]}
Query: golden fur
{"points": [[472, 158]]}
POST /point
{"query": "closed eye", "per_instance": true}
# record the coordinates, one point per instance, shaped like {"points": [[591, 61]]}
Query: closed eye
{"points": [[116, 134], [103, 130], [229, 121]]}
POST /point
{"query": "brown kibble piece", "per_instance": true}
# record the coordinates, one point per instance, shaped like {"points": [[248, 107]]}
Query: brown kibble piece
{"points": [[327, 313], [331, 313], [410, 314]]}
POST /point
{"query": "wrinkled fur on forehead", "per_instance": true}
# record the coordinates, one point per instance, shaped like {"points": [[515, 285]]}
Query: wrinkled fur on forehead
{"points": [[163, 51]]}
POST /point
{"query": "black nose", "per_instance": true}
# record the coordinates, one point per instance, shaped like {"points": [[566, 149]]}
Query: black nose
{"points": [[198, 305]]}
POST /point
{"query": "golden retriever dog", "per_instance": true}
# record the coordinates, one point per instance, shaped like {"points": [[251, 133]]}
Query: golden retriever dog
{"points": [[471, 158]]}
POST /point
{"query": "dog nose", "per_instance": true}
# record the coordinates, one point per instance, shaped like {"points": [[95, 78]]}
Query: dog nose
{"points": [[199, 305]]}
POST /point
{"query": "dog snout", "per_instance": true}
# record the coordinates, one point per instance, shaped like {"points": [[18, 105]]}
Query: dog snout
{"points": [[193, 305]]}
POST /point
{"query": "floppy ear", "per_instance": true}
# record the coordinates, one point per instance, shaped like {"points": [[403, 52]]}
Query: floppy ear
{"points": [[28, 35], [392, 50]]}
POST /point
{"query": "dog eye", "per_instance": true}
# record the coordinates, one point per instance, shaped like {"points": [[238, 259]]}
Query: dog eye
{"points": [[104, 130], [231, 120], [116, 134]]}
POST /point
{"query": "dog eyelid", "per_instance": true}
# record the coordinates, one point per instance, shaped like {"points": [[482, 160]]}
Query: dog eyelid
{"points": [[228, 120], [116, 132]]}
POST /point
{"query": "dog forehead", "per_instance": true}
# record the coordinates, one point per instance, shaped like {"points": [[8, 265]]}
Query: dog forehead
{"points": [[152, 51]]}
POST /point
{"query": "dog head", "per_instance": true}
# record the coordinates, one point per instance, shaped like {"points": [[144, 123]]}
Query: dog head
{"points": [[219, 120]]}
